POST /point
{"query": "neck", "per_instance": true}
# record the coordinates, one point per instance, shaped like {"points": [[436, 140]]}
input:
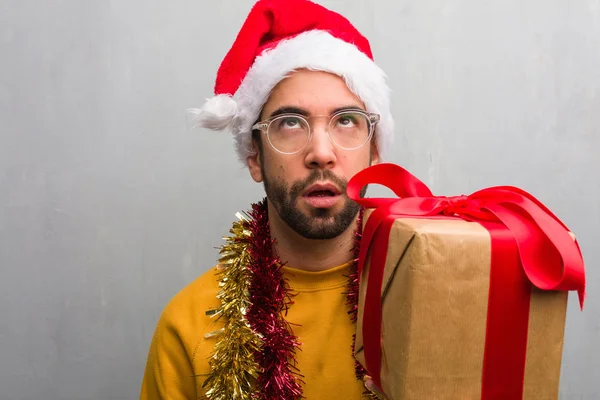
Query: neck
{"points": [[310, 254]]}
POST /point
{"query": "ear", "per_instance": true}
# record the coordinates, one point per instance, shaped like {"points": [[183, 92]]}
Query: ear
{"points": [[374, 154], [254, 164]]}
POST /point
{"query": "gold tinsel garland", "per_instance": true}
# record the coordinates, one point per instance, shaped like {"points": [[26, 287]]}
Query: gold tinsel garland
{"points": [[232, 365]]}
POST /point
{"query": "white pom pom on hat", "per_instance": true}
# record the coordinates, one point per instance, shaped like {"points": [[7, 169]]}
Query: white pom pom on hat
{"points": [[277, 38], [217, 113]]}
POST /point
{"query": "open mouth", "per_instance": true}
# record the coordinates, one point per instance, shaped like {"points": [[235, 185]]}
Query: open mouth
{"points": [[322, 189], [324, 195], [321, 193]]}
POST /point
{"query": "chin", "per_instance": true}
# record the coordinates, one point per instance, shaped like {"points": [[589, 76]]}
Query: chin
{"points": [[322, 214]]}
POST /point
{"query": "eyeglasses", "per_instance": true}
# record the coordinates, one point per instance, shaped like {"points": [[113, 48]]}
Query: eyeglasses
{"points": [[291, 133]]}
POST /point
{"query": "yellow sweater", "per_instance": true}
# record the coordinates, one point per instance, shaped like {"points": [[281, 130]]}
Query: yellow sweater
{"points": [[178, 358]]}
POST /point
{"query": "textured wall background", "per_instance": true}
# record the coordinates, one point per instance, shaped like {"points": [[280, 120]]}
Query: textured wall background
{"points": [[109, 204]]}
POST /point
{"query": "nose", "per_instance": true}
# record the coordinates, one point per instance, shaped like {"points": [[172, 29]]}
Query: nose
{"points": [[320, 152]]}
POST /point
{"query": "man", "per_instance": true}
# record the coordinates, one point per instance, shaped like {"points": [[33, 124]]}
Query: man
{"points": [[309, 108]]}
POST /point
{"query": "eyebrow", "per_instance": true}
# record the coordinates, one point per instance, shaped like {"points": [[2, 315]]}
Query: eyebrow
{"points": [[305, 113], [289, 110]]}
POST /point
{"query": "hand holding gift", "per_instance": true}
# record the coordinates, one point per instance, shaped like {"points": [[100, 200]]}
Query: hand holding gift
{"points": [[462, 297]]}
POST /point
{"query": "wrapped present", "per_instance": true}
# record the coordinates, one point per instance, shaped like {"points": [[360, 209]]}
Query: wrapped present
{"points": [[462, 297]]}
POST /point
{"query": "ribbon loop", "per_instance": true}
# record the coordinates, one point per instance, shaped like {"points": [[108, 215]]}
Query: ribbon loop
{"points": [[416, 200]]}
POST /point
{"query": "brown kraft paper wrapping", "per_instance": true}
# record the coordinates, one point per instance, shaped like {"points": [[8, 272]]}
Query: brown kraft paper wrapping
{"points": [[434, 310]]}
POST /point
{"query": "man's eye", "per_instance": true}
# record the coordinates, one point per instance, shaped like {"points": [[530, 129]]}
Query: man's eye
{"points": [[290, 123], [347, 121]]}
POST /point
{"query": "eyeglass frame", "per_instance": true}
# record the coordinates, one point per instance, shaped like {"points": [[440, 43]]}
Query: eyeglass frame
{"points": [[263, 126]]}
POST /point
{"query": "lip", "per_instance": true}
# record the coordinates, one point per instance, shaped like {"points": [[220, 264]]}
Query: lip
{"points": [[318, 187], [322, 201]]}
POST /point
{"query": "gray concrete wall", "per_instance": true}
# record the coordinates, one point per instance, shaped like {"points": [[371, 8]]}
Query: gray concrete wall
{"points": [[109, 204]]}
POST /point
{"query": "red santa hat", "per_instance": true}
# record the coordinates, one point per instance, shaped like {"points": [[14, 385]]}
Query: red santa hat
{"points": [[277, 38]]}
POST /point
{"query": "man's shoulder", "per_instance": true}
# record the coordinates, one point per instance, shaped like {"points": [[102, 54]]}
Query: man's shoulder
{"points": [[179, 349], [190, 304], [201, 293]]}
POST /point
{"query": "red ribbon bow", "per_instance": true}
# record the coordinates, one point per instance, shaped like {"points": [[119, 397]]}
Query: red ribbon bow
{"points": [[524, 233]]}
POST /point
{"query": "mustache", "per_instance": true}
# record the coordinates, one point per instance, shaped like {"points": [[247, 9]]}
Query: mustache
{"points": [[315, 176]]}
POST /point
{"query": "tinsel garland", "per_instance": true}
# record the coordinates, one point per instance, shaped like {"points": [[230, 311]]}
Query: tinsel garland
{"points": [[233, 366], [254, 357], [269, 301]]}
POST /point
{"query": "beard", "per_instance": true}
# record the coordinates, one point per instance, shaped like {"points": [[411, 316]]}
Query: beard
{"points": [[321, 223]]}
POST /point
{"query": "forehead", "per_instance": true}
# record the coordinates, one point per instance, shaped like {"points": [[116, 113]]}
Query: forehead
{"points": [[315, 91]]}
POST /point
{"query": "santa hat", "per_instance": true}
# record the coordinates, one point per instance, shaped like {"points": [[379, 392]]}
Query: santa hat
{"points": [[277, 38]]}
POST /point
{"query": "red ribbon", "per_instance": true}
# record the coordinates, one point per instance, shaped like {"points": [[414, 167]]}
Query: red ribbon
{"points": [[530, 245]]}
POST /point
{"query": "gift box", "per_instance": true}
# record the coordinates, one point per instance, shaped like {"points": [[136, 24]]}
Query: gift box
{"points": [[462, 297]]}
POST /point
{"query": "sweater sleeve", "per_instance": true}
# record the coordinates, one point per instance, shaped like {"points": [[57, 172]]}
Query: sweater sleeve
{"points": [[169, 373]]}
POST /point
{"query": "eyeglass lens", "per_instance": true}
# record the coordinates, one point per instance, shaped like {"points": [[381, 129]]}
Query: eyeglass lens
{"points": [[290, 133]]}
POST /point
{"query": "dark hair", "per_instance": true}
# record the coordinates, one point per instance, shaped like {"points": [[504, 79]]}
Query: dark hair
{"points": [[257, 137]]}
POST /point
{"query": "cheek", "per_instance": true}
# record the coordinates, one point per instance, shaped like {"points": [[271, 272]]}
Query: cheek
{"points": [[275, 168], [354, 163]]}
